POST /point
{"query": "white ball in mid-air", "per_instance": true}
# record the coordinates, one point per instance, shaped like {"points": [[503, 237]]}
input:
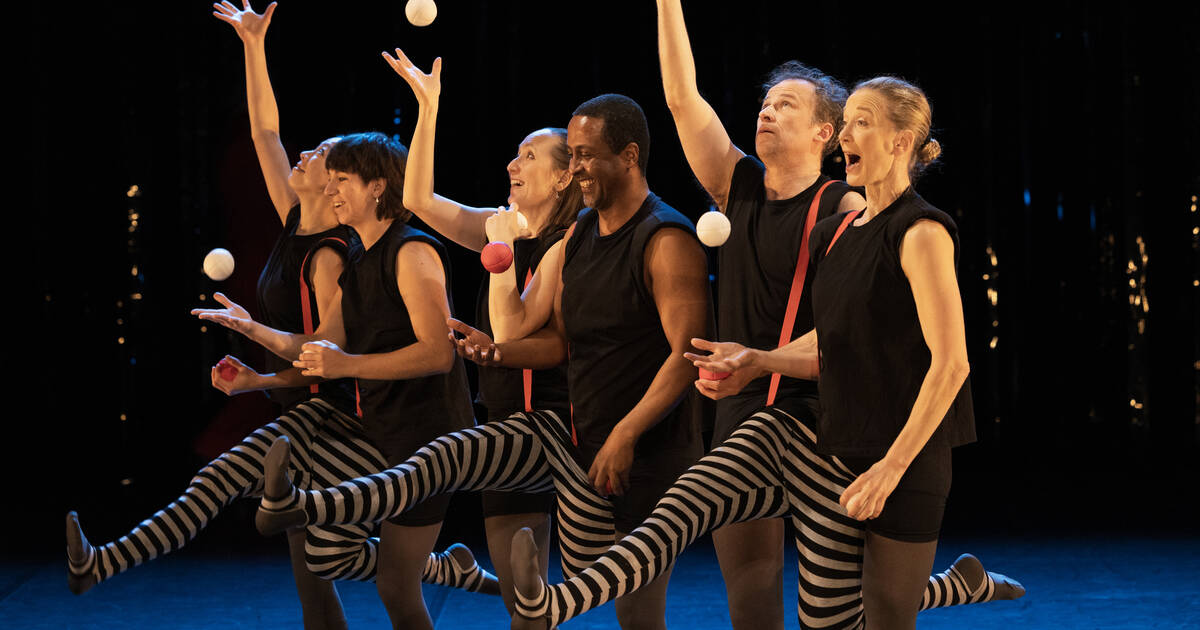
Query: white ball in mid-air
{"points": [[218, 264], [420, 12], [713, 228]]}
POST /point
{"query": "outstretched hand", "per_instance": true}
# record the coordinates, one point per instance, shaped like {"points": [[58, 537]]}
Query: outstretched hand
{"points": [[474, 345], [733, 358], [426, 87], [233, 316], [250, 26]]}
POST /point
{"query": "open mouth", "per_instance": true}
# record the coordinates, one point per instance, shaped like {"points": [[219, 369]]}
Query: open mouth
{"points": [[514, 183], [585, 184], [852, 160]]}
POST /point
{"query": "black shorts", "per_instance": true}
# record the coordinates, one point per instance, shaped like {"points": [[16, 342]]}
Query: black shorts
{"points": [[649, 479], [914, 510]]}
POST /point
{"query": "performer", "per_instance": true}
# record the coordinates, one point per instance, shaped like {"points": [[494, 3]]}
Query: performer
{"points": [[772, 202], [627, 374], [409, 385], [307, 259], [775, 464], [541, 186]]}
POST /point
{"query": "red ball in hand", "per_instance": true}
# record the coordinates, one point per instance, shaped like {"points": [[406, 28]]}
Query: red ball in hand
{"points": [[496, 256], [709, 375], [228, 371]]}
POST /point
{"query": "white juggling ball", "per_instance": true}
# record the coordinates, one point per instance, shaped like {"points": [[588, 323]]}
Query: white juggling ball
{"points": [[420, 12], [712, 228], [218, 264]]}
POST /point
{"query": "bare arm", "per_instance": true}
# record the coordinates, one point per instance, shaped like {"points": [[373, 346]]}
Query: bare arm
{"points": [[542, 350], [797, 359], [927, 257], [260, 101], [245, 379], [283, 344], [515, 315], [422, 284], [706, 144], [678, 279], [457, 222]]}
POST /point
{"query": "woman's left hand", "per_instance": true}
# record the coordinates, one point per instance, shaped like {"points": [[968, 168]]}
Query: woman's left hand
{"points": [[864, 499], [322, 358]]}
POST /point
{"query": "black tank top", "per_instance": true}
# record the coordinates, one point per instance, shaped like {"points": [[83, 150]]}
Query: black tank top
{"points": [[615, 338], [502, 390], [376, 320], [754, 277], [873, 354], [280, 304]]}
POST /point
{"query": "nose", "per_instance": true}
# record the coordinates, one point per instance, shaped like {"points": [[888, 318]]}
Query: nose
{"points": [[766, 113], [513, 167], [844, 134], [330, 188]]}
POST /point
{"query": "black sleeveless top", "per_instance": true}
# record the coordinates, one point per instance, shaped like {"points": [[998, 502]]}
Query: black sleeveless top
{"points": [[502, 390], [279, 300], [873, 354], [376, 320], [755, 270], [615, 339]]}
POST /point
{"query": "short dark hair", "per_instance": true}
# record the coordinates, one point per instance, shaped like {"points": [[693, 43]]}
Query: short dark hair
{"points": [[830, 95], [624, 122], [373, 155]]}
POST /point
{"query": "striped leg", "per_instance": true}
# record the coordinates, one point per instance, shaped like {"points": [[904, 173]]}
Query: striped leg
{"points": [[235, 473], [768, 467], [740, 480], [504, 455], [341, 451], [527, 451]]}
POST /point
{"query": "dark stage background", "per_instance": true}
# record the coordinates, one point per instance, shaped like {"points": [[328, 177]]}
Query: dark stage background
{"points": [[1070, 164]]}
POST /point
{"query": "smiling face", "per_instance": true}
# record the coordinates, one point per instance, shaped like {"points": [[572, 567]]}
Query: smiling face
{"points": [[533, 176], [875, 151], [309, 171], [353, 199], [786, 121], [599, 171]]}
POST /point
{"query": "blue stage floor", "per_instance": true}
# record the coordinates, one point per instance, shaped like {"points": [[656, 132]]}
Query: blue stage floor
{"points": [[1092, 581]]}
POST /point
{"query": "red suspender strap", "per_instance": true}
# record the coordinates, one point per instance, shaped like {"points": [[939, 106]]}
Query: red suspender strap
{"points": [[305, 301], [850, 216], [527, 374], [789, 317]]}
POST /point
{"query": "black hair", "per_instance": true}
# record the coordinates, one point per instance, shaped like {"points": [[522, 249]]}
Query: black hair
{"points": [[373, 155], [624, 122]]}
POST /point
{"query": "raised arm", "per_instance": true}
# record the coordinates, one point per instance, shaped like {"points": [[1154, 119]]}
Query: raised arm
{"points": [[678, 280], [457, 222], [251, 27], [422, 284], [927, 257], [706, 144]]}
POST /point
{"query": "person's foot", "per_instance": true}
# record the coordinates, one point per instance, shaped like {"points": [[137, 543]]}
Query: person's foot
{"points": [[468, 574], [983, 584], [81, 557], [279, 509], [528, 588]]}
